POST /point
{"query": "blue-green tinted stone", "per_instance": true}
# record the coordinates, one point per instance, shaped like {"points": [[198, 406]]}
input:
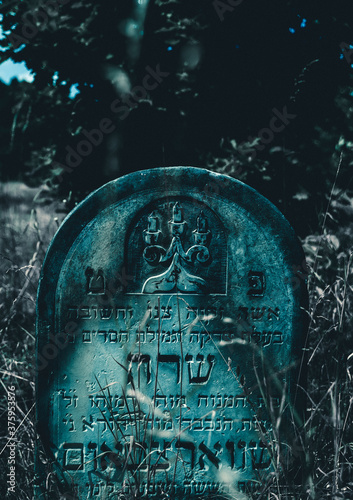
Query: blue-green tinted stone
{"points": [[167, 299]]}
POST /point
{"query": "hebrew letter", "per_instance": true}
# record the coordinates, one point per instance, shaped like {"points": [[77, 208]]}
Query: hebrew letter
{"points": [[113, 336], [86, 336], [73, 456], [192, 309], [240, 399], [256, 282], [161, 398], [187, 488], [166, 313], [159, 465], [228, 401], [103, 333], [209, 424], [101, 400], [277, 338], [198, 378], [245, 422], [140, 358], [241, 446], [272, 312], [212, 457], [92, 449], [87, 424], [256, 460], [230, 447], [227, 421], [108, 454], [194, 337], [137, 465], [121, 312], [68, 419], [202, 398], [71, 399], [151, 335], [198, 426], [106, 312], [85, 312], [257, 312], [187, 445], [267, 337]]}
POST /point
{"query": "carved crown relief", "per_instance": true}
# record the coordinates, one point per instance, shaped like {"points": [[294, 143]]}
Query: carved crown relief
{"points": [[177, 247]]}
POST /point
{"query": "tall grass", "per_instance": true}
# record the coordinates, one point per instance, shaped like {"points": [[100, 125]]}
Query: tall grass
{"points": [[26, 230], [323, 445]]}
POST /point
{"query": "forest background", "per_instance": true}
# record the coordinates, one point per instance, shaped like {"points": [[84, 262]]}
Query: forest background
{"points": [[261, 91]]}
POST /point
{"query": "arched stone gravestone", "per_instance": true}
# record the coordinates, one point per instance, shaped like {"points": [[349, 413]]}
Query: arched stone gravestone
{"points": [[169, 323]]}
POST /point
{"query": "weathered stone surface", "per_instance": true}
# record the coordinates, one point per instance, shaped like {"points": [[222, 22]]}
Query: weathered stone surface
{"points": [[166, 302]]}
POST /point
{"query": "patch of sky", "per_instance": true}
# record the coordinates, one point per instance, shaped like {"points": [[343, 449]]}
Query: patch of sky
{"points": [[73, 91], [10, 70], [2, 36]]}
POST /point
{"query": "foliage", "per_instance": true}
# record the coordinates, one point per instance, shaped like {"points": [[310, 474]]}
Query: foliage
{"points": [[226, 77]]}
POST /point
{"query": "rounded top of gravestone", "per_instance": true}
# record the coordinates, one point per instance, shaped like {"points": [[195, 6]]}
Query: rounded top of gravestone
{"points": [[192, 180]]}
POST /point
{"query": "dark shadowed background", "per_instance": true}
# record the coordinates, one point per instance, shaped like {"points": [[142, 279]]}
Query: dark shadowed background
{"points": [[262, 91]]}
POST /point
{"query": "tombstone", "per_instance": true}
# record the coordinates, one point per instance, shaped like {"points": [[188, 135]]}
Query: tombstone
{"points": [[170, 328]]}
